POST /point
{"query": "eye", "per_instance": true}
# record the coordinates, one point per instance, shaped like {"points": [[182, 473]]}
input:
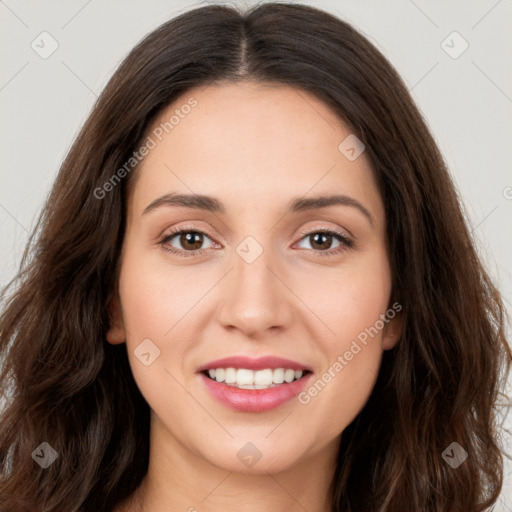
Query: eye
{"points": [[192, 239], [322, 241], [189, 239]]}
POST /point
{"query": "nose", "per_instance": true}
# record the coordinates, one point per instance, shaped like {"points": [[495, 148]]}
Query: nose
{"points": [[255, 298]]}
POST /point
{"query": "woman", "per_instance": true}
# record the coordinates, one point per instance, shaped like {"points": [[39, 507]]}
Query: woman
{"points": [[252, 286]]}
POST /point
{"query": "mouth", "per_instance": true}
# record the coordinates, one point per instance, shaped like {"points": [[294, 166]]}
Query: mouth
{"points": [[245, 378], [252, 385]]}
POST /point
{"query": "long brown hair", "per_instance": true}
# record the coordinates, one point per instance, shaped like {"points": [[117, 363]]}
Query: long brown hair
{"points": [[62, 384]]}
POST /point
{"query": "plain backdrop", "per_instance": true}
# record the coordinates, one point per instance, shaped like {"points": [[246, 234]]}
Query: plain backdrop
{"points": [[454, 57]]}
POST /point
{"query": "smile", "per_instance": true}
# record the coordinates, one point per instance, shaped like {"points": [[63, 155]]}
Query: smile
{"points": [[244, 378], [248, 398]]}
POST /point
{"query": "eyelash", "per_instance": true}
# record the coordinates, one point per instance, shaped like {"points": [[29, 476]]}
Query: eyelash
{"points": [[346, 243]]}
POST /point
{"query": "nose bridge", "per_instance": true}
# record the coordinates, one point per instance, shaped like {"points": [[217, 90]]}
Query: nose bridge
{"points": [[254, 299]]}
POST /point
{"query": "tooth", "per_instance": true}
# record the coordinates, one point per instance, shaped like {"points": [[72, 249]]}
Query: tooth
{"points": [[244, 376], [219, 374], [289, 375], [263, 377], [231, 375], [278, 376], [259, 379]]}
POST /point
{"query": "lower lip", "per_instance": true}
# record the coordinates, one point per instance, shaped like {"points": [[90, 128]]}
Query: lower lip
{"points": [[255, 400]]}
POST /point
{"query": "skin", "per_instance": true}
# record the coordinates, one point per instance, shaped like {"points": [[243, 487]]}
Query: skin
{"points": [[253, 147]]}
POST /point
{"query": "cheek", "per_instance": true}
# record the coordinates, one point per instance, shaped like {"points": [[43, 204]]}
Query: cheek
{"points": [[352, 358], [156, 296], [338, 394], [348, 299], [156, 305], [351, 305]]}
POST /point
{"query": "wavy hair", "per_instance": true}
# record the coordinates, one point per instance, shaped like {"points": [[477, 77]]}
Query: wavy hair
{"points": [[63, 384]]}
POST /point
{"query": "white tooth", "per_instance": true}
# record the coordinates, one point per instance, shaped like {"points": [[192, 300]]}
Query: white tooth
{"points": [[219, 374], [244, 376], [230, 375], [263, 377], [289, 375], [278, 376], [262, 386], [249, 379]]}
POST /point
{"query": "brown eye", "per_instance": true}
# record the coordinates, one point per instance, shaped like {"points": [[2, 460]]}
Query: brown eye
{"points": [[321, 241], [191, 240], [183, 241]]}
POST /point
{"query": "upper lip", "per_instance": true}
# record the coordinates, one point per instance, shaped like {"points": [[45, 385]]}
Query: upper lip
{"points": [[249, 363]]}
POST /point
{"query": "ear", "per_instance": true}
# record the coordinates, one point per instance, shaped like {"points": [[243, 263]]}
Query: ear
{"points": [[116, 333], [392, 330]]}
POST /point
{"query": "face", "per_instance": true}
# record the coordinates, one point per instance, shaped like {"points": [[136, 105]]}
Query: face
{"points": [[257, 271]]}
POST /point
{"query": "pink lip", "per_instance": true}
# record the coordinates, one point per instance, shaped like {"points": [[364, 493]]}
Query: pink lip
{"points": [[254, 400], [254, 364]]}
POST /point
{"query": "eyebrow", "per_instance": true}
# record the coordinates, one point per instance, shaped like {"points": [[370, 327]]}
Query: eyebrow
{"points": [[297, 204]]}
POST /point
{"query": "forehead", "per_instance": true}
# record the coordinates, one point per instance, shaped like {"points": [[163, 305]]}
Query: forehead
{"points": [[253, 145]]}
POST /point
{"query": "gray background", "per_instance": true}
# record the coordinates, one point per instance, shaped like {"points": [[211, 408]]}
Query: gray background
{"points": [[466, 101]]}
